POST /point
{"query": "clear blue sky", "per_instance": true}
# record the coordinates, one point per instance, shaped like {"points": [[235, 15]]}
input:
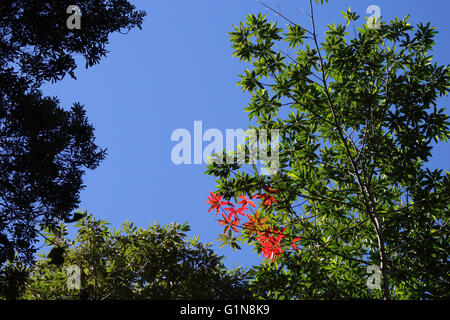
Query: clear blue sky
{"points": [[176, 70]]}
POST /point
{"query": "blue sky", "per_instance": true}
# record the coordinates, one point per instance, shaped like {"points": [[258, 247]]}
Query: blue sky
{"points": [[177, 70]]}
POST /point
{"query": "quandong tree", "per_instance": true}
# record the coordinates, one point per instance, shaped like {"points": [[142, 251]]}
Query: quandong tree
{"points": [[357, 115]]}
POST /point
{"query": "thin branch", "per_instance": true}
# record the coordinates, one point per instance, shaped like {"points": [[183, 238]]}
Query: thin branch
{"points": [[282, 16], [365, 192]]}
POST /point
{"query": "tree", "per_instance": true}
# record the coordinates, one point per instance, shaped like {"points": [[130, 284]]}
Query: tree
{"points": [[35, 38], [45, 149], [157, 262], [353, 201]]}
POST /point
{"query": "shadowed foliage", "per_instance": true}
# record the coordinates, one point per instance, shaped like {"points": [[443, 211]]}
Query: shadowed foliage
{"points": [[45, 148]]}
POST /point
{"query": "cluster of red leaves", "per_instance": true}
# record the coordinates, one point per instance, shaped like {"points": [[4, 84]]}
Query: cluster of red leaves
{"points": [[267, 198], [270, 242], [230, 213], [269, 238]]}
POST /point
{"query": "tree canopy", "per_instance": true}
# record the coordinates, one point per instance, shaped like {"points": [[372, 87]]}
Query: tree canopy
{"points": [[348, 208], [157, 262], [45, 148], [357, 115]]}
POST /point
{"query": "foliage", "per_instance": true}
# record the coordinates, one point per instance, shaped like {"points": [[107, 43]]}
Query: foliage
{"points": [[357, 115], [37, 45], [157, 262], [44, 148], [12, 280]]}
